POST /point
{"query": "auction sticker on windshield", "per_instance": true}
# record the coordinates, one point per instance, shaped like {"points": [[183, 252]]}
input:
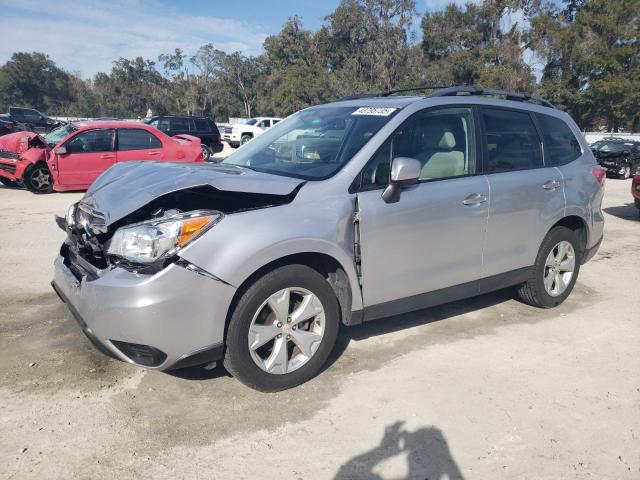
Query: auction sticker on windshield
{"points": [[379, 111]]}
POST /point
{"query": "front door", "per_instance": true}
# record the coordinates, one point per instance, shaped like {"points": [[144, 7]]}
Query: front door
{"points": [[88, 154], [432, 238]]}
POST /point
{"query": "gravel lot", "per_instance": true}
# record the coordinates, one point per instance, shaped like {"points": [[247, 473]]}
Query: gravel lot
{"points": [[484, 388]]}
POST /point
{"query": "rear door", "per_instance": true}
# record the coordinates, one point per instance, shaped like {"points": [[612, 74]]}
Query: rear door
{"points": [[526, 195], [89, 153], [138, 144], [432, 237]]}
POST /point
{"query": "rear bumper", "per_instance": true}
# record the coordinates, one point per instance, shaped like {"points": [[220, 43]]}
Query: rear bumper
{"points": [[590, 252], [172, 319]]}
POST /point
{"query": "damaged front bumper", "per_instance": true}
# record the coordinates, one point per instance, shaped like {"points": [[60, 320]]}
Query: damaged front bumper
{"points": [[172, 319]]}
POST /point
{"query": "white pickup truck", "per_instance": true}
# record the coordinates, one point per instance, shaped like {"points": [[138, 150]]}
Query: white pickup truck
{"points": [[241, 133]]}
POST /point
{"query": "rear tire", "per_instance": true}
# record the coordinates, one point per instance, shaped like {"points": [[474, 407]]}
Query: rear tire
{"points": [[206, 153], [37, 178], [535, 291], [627, 172], [306, 344]]}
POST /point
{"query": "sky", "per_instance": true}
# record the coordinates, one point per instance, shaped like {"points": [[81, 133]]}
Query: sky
{"points": [[85, 37]]}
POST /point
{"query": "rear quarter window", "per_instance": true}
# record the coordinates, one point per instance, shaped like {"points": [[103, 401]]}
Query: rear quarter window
{"points": [[560, 144]]}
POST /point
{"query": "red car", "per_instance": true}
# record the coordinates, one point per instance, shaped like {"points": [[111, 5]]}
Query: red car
{"points": [[635, 190], [72, 156]]}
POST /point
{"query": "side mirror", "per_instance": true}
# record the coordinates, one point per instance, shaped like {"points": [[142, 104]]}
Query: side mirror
{"points": [[404, 171], [61, 150]]}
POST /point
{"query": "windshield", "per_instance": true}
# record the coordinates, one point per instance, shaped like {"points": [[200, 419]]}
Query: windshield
{"points": [[54, 136], [312, 144], [251, 121], [610, 146]]}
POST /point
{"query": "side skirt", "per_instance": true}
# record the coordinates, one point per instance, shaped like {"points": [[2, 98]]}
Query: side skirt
{"points": [[444, 295]]}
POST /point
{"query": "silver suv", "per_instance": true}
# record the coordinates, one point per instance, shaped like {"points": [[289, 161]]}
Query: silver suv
{"points": [[343, 213]]}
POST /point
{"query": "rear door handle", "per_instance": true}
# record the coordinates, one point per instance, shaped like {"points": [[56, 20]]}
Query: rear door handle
{"points": [[154, 153], [474, 199], [107, 156], [551, 184]]}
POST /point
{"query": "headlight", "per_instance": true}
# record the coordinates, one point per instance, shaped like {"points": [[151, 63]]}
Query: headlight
{"points": [[152, 240]]}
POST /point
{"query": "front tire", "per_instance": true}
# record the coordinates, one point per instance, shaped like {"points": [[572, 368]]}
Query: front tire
{"points": [[627, 172], [245, 139], [282, 329], [555, 271], [38, 179]]}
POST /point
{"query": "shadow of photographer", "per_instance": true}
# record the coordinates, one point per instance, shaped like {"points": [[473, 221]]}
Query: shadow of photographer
{"points": [[426, 450]]}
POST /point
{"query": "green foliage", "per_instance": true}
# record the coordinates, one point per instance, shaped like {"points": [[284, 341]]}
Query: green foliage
{"points": [[584, 53]]}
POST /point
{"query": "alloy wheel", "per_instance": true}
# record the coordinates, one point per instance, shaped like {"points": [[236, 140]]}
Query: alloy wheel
{"points": [[558, 268], [286, 330], [40, 179]]}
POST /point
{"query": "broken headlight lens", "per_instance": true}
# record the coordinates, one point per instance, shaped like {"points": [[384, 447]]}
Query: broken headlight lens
{"points": [[152, 240], [70, 217]]}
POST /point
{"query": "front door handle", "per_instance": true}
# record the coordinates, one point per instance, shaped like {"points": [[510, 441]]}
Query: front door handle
{"points": [[107, 156], [474, 199], [551, 184], [154, 153]]}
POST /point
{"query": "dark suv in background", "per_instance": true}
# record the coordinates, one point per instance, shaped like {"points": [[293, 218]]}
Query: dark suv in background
{"points": [[202, 127], [26, 119], [620, 157]]}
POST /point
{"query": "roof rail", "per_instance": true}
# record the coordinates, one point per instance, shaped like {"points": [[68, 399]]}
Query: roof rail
{"points": [[471, 90], [388, 93]]}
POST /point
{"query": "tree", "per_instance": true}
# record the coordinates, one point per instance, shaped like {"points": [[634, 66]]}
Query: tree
{"points": [[33, 80]]}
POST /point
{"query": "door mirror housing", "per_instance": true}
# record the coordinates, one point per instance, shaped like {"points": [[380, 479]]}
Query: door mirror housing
{"points": [[61, 150], [404, 171]]}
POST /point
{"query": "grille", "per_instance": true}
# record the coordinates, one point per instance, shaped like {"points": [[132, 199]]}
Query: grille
{"points": [[8, 168], [9, 155]]}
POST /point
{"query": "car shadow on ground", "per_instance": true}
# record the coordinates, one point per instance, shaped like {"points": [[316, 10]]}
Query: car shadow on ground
{"points": [[426, 451], [375, 328], [625, 212]]}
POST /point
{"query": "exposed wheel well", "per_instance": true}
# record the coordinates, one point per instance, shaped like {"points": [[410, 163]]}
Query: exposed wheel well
{"points": [[326, 265], [578, 225]]}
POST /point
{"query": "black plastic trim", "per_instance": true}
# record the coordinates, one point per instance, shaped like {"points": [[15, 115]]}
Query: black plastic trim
{"points": [[590, 252], [446, 295], [200, 357]]}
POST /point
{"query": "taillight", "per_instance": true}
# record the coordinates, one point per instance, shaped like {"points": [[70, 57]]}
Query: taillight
{"points": [[600, 175], [8, 125]]}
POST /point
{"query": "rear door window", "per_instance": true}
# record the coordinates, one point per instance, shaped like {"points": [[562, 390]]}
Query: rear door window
{"points": [[179, 125], [136, 139], [560, 144], [511, 140]]}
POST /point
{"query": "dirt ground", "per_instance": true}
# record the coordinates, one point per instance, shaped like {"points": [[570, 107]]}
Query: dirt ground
{"points": [[485, 388]]}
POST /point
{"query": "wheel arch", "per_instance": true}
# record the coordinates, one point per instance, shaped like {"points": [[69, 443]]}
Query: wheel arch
{"points": [[577, 224], [328, 266]]}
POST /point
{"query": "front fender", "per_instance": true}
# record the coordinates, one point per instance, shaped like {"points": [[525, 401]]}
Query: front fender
{"points": [[242, 243]]}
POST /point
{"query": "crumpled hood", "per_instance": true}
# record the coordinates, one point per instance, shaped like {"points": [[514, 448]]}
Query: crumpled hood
{"points": [[17, 142], [126, 187]]}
